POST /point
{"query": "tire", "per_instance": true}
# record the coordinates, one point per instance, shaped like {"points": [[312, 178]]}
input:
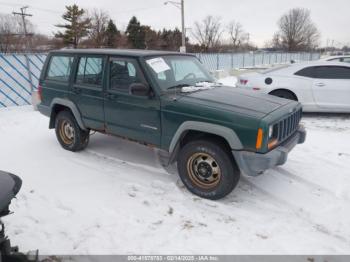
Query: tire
{"points": [[69, 134], [207, 170], [284, 94]]}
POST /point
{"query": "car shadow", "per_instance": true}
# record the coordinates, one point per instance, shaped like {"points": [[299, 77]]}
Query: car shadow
{"points": [[130, 152], [327, 115]]}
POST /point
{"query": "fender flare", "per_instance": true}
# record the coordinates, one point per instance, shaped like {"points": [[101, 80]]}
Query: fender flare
{"points": [[69, 104], [228, 134]]}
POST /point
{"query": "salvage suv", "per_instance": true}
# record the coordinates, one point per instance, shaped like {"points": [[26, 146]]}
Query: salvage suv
{"points": [[170, 101]]}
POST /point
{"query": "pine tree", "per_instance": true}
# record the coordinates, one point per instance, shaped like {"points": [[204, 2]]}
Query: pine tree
{"points": [[136, 34], [112, 34], [76, 28]]}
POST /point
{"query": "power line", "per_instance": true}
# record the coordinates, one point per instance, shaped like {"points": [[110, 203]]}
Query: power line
{"points": [[60, 12], [33, 7], [138, 10]]}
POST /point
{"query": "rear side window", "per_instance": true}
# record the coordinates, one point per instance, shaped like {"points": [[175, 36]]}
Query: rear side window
{"points": [[59, 68], [90, 71], [332, 72], [306, 72]]}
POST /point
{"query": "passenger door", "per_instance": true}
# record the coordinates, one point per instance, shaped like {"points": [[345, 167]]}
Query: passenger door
{"points": [[127, 115], [331, 87], [87, 90]]}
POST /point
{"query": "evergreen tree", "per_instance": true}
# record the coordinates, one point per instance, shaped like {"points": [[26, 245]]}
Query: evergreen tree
{"points": [[171, 39], [76, 28], [136, 34], [112, 34]]}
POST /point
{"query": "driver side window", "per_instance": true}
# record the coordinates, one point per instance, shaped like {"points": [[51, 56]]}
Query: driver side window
{"points": [[123, 73]]}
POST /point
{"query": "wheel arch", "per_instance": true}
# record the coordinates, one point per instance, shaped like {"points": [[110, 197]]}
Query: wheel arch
{"points": [[59, 104], [193, 130], [285, 90]]}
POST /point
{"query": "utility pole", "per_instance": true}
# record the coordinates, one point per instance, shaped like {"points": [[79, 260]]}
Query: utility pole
{"points": [[181, 6], [23, 15], [183, 27]]}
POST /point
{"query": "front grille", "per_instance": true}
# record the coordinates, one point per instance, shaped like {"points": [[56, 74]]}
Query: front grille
{"points": [[288, 126]]}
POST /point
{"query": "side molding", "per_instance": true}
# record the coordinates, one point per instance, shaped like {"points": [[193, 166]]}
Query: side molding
{"points": [[72, 107], [225, 132]]}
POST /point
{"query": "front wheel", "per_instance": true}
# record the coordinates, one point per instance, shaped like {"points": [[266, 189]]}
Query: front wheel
{"points": [[69, 134], [207, 170]]}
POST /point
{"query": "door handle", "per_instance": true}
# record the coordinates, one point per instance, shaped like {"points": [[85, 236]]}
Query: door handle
{"points": [[320, 84]]}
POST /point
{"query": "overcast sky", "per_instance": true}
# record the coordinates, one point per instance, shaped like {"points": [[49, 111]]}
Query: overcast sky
{"points": [[259, 17]]}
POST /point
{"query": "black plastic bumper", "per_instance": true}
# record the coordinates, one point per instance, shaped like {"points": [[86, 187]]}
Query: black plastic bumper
{"points": [[254, 164]]}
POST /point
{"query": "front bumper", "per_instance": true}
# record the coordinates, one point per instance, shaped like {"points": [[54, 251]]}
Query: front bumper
{"points": [[254, 164]]}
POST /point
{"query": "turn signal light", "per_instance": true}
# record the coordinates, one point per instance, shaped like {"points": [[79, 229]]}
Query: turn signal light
{"points": [[259, 139]]}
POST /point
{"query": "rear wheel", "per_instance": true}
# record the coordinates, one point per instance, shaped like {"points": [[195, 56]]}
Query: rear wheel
{"points": [[69, 134], [207, 170], [284, 94]]}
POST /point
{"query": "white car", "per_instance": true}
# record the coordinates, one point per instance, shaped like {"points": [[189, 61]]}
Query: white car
{"points": [[320, 86], [345, 59]]}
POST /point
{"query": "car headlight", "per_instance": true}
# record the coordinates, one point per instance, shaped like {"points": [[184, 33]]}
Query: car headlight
{"points": [[270, 132]]}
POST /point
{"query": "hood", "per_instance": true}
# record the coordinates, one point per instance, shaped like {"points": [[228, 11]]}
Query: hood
{"points": [[236, 100], [9, 187]]}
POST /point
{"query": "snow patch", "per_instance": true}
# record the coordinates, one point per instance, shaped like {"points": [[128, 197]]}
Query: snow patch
{"points": [[116, 198], [200, 86]]}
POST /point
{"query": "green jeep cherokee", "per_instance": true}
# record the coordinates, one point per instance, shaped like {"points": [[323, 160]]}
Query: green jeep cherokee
{"points": [[168, 100]]}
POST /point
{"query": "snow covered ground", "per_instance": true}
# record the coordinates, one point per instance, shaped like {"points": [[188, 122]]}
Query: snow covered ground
{"points": [[116, 198]]}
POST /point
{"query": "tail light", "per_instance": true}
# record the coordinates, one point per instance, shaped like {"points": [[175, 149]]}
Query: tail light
{"points": [[243, 81], [40, 92]]}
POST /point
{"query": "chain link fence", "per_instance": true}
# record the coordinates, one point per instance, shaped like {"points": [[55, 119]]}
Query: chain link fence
{"points": [[17, 80], [220, 61]]}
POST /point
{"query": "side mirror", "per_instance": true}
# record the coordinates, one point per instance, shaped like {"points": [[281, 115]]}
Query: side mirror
{"points": [[139, 89]]}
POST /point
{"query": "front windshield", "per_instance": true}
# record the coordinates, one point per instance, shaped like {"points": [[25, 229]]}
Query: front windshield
{"points": [[178, 71]]}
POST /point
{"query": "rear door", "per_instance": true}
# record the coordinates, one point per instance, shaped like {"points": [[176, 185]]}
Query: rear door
{"points": [[331, 87], [56, 81], [127, 115], [87, 89]]}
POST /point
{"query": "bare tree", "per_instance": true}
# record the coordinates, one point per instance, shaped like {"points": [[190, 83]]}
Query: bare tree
{"points": [[208, 32], [237, 35], [297, 31], [11, 33], [99, 23]]}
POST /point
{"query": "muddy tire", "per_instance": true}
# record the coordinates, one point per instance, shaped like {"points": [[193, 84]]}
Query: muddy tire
{"points": [[69, 134], [207, 169]]}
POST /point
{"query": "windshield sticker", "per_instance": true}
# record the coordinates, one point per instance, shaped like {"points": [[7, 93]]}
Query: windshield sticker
{"points": [[158, 65]]}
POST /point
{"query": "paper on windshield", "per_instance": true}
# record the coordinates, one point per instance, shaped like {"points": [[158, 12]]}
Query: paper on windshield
{"points": [[158, 65]]}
